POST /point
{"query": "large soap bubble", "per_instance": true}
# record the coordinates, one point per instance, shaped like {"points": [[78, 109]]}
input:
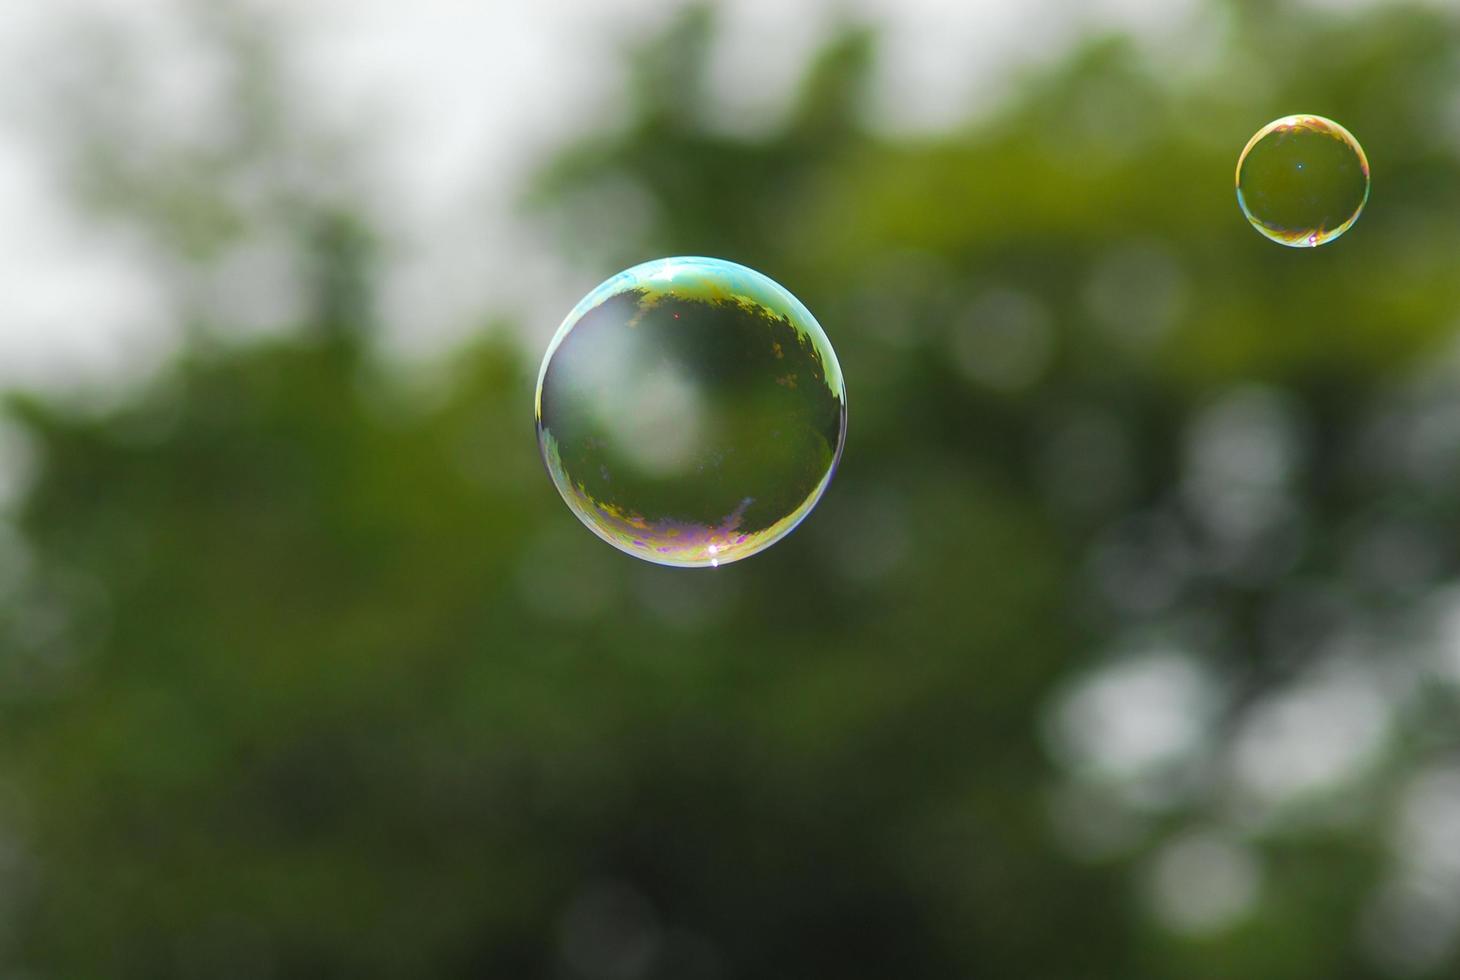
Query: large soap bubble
{"points": [[1302, 180], [691, 411]]}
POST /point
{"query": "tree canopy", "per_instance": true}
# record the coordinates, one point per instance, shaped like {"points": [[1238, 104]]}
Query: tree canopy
{"points": [[1123, 644]]}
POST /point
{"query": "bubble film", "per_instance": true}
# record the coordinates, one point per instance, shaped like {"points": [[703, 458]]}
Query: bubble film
{"points": [[1302, 180], [690, 411]]}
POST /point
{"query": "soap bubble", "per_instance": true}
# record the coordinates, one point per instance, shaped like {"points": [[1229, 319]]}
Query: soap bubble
{"points": [[1302, 180], [690, 411]]}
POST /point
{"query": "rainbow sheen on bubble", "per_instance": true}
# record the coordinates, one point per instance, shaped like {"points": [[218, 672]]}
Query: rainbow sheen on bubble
{"points": [[1302, 180], [690, 411]]}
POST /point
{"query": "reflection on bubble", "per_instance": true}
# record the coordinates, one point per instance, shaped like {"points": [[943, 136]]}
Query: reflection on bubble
{"points": [[1302, 180], [690, 411]]}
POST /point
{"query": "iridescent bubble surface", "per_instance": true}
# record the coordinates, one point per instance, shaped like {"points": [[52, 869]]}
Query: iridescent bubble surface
{"points": [[690, 411], [1302, 180]]}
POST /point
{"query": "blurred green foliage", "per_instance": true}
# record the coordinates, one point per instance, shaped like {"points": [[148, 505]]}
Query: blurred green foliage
{"points": [[305, 674]]}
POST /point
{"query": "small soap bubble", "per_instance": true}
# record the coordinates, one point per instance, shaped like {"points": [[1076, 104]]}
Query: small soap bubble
{"points": [[690, 411], [1302, 180]]}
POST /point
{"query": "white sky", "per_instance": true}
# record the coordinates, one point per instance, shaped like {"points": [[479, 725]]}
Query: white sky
{"points": [[461, 99]]}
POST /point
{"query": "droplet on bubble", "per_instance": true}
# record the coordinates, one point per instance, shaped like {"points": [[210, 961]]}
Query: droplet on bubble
{"points": [[690, 411], [1302, 180]]}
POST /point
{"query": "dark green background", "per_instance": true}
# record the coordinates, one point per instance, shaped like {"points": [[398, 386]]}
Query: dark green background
{"points": [[306, 671]]}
